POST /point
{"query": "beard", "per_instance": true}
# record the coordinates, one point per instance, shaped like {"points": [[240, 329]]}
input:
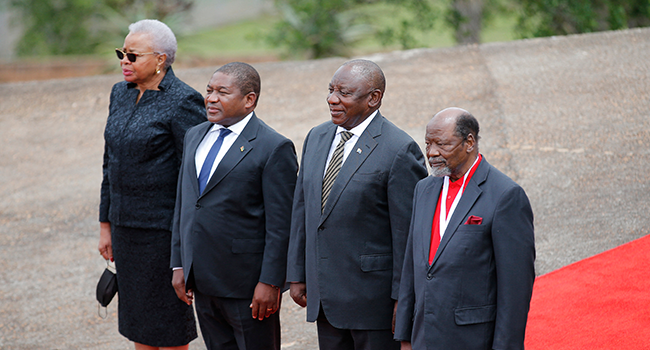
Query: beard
{"points": [[441, 170]]}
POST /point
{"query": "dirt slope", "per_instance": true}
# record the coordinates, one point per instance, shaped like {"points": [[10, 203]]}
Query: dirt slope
{"points": [[568, 118]]}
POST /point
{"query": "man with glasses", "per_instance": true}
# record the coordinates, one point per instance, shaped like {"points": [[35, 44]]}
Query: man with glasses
{"points": [[351, 213]]}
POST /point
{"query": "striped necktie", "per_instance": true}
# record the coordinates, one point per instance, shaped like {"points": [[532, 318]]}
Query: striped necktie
{"points": [[334, 167]]}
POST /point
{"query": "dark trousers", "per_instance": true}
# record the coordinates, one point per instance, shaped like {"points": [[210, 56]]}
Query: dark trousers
{"points": [[228, 324], [332, 338]]}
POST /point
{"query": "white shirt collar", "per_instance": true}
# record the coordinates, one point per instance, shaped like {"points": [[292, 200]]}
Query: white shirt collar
{"points": [[236, 128], [359, 129]]}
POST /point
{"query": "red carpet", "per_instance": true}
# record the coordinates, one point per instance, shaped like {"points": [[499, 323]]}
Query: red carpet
{"points": [[602, 302]]}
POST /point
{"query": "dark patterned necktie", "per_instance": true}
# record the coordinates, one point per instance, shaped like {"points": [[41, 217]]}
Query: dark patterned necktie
{"points": [[334, 167]]}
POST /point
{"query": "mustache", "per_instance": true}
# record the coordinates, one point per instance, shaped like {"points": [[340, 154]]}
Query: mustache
{"points": [[437, 160], [441, 169]]}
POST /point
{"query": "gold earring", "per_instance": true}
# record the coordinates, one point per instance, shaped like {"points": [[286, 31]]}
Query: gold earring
{"points": [[157, 70]]}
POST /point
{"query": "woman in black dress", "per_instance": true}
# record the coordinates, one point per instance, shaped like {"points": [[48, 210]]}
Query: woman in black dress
{"points": [[149, 113]]}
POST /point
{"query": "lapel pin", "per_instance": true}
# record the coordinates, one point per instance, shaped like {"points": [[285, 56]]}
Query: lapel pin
{"points": [[359, 150], [241, 148]]}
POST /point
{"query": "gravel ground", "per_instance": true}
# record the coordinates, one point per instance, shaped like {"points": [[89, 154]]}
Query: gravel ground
{"points": [[567, 117]]}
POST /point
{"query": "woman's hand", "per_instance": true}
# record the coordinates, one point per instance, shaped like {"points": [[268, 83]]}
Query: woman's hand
{"points": [[105, 244]]}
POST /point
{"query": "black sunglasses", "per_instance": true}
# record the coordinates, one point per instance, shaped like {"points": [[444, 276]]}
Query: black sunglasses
{"points": [[131, 55]]}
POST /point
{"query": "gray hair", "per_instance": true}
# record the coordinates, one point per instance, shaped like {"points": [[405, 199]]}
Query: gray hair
{"points": [[162, 38]]}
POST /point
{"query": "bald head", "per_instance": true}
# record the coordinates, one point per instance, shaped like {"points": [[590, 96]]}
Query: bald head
{"points": [[465, 122], [368, 71]]}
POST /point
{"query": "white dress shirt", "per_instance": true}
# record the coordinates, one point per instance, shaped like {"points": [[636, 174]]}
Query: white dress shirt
{"points": [[349, 144], [209, 139]]}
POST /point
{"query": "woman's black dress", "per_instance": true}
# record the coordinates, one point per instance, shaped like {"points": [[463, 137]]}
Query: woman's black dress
{"points": [[142, 155]]}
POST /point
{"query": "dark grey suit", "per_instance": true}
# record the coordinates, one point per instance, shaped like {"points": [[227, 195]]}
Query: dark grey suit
{"points": [[477, 292], [350, 256], [236, 233]]}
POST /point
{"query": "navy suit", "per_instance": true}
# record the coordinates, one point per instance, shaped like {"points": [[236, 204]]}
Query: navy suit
{"points": [[476, 293], [236, 233], [350, 255]]}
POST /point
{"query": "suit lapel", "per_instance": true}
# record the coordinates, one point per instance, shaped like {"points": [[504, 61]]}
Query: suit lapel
{"points": [[239, 149], [360, 152], [470, 195], [193, 144], [429, 202], [323, 144]]}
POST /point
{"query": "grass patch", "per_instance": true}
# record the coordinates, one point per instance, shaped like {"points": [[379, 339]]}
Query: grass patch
{"points": [[247, 39]]}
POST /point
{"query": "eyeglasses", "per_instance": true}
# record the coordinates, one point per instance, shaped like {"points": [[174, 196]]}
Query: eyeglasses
{"points": [[131, 55]]}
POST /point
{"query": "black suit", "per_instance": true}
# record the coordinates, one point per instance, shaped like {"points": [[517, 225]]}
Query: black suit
{"points": [[350, 255], [236, 233]]}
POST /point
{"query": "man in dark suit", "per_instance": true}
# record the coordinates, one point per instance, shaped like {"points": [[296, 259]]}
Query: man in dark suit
{"points": [[350, 215], [469, 265], [232, 217]]}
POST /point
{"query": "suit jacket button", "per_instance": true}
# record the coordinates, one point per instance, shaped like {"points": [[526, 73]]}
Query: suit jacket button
{"points": [[321, 229], [429, 276], [198, 206]]}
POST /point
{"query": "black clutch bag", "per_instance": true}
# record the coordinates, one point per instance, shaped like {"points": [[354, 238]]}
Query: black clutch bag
{"points": [[106, 287]]}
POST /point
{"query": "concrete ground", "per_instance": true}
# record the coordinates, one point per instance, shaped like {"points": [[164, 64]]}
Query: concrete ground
{"points": [[568, 118]]}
